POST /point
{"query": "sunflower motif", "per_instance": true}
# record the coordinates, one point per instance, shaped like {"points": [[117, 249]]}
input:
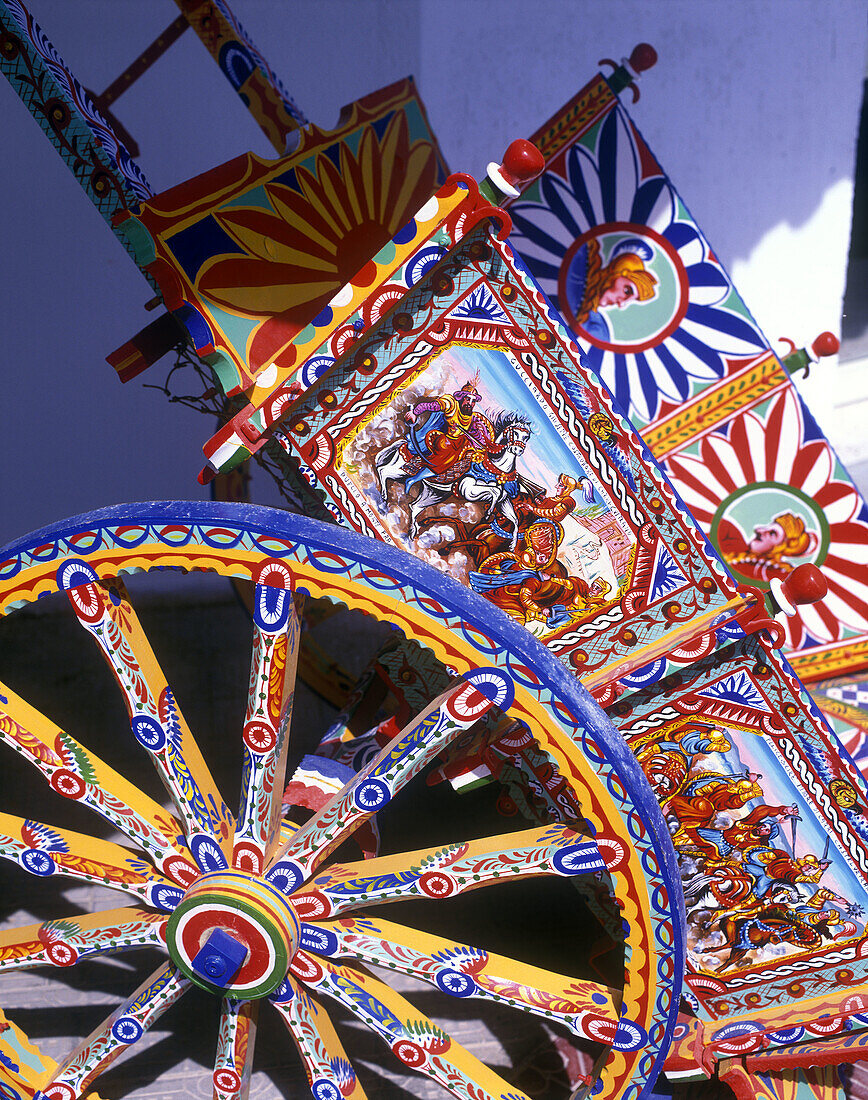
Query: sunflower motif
{"points": [[772, 496], [318, 229], [607, 237]]}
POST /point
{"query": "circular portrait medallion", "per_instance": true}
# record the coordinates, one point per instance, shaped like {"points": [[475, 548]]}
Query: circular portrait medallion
{"points": [[766, 529], [623, 287]]}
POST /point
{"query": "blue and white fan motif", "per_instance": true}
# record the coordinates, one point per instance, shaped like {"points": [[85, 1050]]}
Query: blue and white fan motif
{"points": [[605, 191]]}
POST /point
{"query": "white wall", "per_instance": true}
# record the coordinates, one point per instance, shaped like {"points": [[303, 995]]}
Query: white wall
{"points": [[752, 109]]}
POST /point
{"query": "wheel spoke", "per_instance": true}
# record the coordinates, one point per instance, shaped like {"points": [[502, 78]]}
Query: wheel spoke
{"points": [[125, 1026], [105, 612], [63, 942], [453, 869], [78, 774], [589, 1008], [235, 1041], [266, 724], [329, 1072], [415, 1039], [391, 769], [45, 850]]}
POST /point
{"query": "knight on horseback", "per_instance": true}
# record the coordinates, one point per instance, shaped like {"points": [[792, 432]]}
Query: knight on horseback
{"points": [[459, 454], [450, 429]]}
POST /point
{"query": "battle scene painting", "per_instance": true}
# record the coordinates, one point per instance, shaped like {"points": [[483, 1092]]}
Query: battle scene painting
{"points": [[469, 474], [761, 881]]}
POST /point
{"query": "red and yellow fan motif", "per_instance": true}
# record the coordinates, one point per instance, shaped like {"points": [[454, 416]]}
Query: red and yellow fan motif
{"points": [[248, 254]]}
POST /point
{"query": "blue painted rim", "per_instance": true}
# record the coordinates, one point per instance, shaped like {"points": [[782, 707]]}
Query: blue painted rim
{"points": [[474, 609]]}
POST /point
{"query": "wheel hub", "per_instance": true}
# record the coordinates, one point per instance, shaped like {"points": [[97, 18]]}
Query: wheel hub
{"points": [[233, 934]]}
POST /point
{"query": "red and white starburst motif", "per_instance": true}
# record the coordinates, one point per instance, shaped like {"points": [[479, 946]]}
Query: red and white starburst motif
{"points": [[767, 453]]}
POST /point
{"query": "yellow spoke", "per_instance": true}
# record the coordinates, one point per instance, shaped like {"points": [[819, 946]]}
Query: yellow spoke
{"points": [[125, 1026], [413, 1038], [452, 869], [78, 774], [64, 941], [455, 710], [589, 1008], [317, 1042], [236, 1039], [266, 724], [45, 850], [104, 611]]}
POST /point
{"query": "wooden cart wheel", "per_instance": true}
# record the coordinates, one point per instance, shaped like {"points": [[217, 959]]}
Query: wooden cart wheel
{"points": [[256, 911]]}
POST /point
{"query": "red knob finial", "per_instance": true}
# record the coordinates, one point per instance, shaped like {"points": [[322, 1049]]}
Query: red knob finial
{"points": [[806, 584], [827, 343], [643, 57], [522, 162]]}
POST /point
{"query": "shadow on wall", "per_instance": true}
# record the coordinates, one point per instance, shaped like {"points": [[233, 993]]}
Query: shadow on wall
{"points": [[854, 324]]}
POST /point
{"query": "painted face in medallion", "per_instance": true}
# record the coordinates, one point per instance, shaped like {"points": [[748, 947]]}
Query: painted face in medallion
{"points": [[765, 530], [622, 287]]}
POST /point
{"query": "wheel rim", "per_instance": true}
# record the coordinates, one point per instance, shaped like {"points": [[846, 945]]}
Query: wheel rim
{"points": [[282, 552]]}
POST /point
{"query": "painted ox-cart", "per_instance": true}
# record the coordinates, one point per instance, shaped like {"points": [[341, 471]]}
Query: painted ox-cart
{"points": [[575, 790]]}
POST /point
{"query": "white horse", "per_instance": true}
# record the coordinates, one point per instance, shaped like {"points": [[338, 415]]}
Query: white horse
{"points": [[487, 484]]}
